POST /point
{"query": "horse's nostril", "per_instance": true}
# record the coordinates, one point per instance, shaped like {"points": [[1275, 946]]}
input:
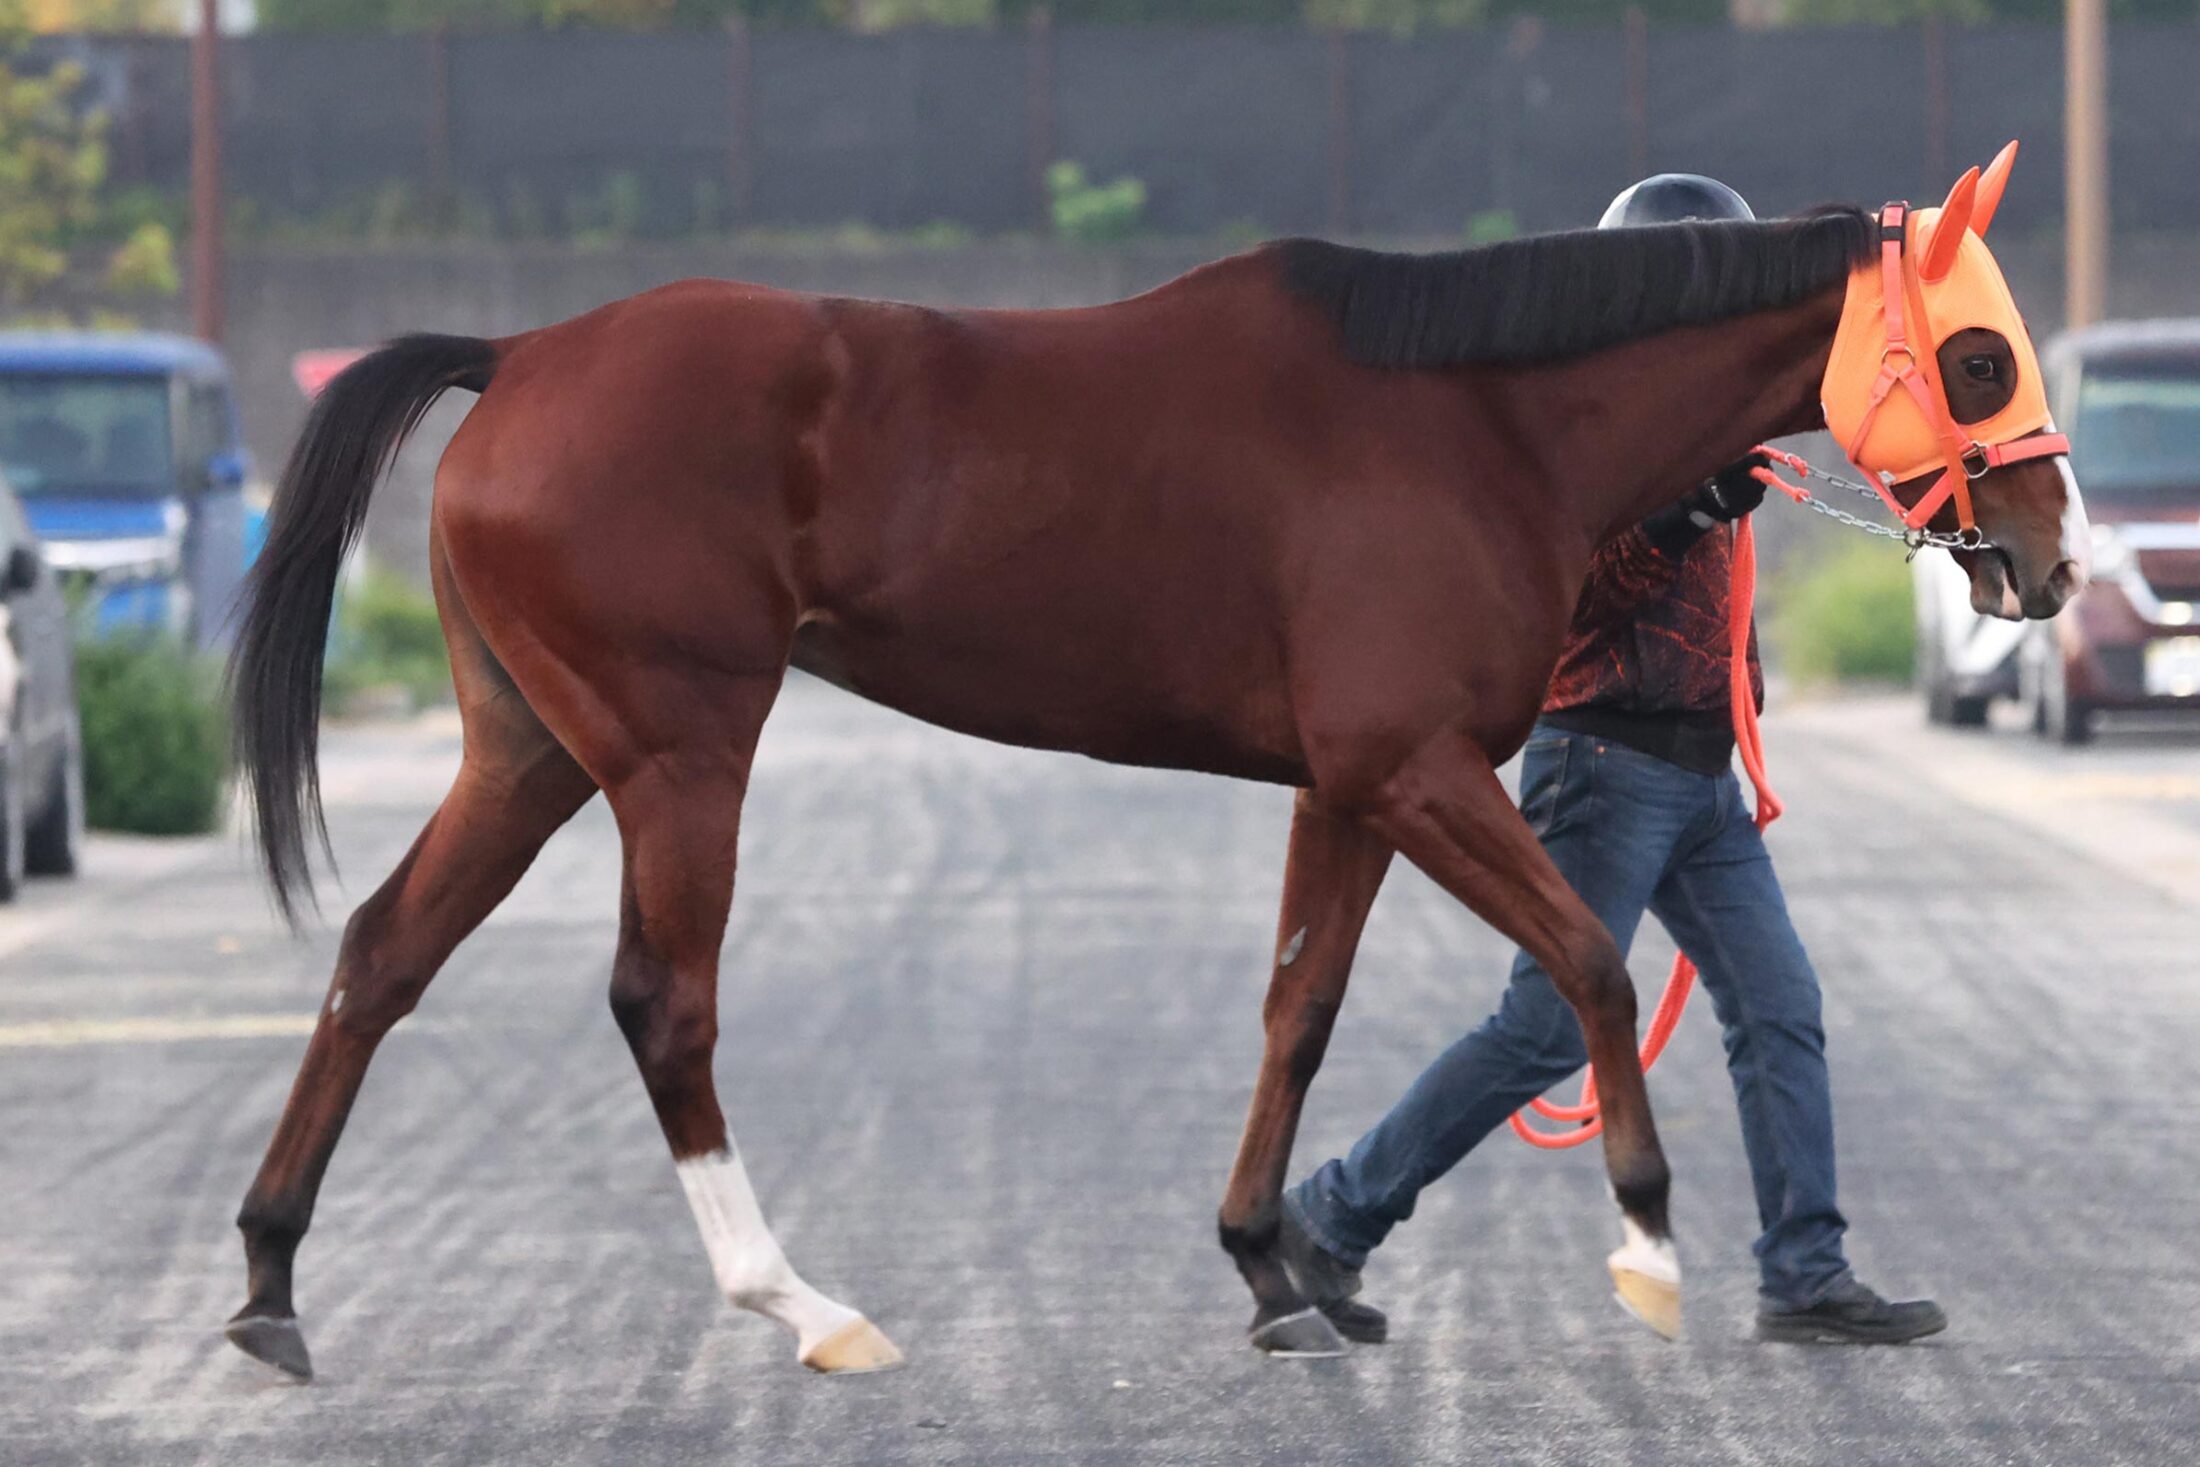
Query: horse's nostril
{"points": [[2054, 593], [2066, 580]]}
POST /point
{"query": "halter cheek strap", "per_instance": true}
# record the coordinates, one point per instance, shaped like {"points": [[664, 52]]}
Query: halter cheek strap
{"points": [[1900, 364]]}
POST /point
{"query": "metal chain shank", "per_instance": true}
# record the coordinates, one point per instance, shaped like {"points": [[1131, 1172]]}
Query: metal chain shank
{"points": [[1971, 539]]}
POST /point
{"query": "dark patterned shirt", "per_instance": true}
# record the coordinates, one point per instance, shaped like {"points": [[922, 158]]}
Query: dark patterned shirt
{"points": [[1645, 662]]}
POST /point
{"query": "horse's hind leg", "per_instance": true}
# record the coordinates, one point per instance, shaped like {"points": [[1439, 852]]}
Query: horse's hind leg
{"points": [[515, 787], [1445, 810], [679, 815], [1335, 868]]}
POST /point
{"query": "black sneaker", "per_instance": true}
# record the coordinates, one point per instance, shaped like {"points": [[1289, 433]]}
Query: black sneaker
{"points": [[1329, 1283], [1852, 1314]]}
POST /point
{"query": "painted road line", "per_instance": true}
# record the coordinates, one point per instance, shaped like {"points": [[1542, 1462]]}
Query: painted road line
{"points": [[69, 1033]]}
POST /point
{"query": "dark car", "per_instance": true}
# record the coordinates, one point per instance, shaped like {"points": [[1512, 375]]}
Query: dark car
{"points": [[41, 750], [2128, 394]]}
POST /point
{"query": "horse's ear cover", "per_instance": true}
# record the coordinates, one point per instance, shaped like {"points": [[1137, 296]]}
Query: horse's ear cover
{"points": [[1990, 187], [1957, 285], [1939, 256]]}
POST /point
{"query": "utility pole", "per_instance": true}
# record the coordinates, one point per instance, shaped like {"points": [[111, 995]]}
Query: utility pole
{"points": [[2085, 161], [207, 233]]}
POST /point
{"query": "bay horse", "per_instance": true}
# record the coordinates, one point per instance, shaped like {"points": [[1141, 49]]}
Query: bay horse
{"points": [[1312, 514]]}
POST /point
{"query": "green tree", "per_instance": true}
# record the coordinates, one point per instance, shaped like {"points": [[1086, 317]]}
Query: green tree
{"points": [[484, 15], [1606, 12], [880, 15], [1393, 15], [52, 163], [60, 17]]}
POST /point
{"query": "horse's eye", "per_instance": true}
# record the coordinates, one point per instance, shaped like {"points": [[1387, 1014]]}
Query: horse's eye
{"points": [[1981, 368]]}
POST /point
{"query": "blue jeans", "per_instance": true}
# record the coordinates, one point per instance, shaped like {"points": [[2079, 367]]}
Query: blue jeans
{"points": [[1630, 833]]}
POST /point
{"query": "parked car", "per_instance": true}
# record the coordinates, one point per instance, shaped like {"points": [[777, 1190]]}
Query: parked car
{"points": [[2128, 393], [126, 452], [41, 746]]}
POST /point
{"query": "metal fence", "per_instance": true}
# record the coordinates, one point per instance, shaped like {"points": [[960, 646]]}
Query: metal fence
{"points": [[1267, 129]]}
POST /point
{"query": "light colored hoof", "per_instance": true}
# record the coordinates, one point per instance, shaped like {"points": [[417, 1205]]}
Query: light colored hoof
{"points": [[1655, 1302], [854, 1348], [1646, 1279]]}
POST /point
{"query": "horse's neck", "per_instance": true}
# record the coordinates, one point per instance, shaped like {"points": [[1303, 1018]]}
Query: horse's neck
{"points": [[1631, 429]]}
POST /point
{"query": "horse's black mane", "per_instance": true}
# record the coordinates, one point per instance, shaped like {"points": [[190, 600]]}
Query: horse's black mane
{"points": [[1553, 296]]}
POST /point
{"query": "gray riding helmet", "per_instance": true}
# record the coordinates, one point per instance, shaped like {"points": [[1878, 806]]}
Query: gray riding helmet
{"points": [[1672, 198]]}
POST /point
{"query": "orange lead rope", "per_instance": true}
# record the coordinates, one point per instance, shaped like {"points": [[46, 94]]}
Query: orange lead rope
{"points": [[1749, 740]]}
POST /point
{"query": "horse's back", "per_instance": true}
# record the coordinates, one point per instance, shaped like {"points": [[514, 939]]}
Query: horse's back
{"points": [[1063, 528]]}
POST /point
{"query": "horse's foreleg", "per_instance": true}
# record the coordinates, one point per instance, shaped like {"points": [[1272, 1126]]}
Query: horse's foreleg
{"points": [[1335, 867], [680, 826], [515, 789], [1447, 812]]}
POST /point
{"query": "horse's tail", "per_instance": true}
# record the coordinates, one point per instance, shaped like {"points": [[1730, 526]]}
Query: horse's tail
{"points": [[354, 430]]}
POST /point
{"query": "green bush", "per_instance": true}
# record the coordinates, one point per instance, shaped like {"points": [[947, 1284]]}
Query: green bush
{"points": [[387, 635], [1845, 614], [611, 214], [156, 736], [1490, 226], [1093, 212]]}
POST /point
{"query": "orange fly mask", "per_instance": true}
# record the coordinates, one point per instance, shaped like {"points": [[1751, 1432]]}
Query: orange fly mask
{"points": [[1883, 395]]}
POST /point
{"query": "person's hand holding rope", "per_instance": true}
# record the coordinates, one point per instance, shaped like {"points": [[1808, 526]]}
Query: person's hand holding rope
{"points": [[1722, 499]]}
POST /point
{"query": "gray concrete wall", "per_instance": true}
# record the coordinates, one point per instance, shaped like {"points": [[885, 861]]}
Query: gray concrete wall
{"points": [[290, 300]]}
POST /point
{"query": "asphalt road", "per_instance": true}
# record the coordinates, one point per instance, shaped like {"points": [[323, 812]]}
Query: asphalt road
{"points": [[990, 1025]]}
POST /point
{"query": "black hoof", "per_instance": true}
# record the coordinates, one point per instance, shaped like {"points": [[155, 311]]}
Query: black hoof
{"points": [[272, 1341], [1305, 1335]]}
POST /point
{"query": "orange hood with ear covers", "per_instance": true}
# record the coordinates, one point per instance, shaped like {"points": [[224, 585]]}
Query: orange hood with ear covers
{"points": [[1899, 439]]}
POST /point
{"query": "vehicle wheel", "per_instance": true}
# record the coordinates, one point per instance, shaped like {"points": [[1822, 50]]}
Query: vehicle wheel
{"points": [[1942, 703], [1932, 675], [2055, 714], [54, 844], [1943, 706], [12, 798]]}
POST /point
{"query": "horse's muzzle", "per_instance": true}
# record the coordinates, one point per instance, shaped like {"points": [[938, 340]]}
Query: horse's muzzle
{"points": [[1995, 588]]}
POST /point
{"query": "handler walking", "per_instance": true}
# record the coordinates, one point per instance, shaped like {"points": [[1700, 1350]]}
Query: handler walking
{"points": [[1628, 781]]}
